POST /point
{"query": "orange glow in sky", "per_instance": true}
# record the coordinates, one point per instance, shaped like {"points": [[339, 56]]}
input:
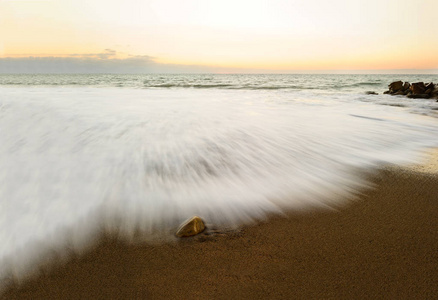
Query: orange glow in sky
{"points": [[283, 35]]}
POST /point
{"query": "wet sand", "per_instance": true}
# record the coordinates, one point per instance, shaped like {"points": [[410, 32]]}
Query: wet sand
{"points": [[383, 245]]}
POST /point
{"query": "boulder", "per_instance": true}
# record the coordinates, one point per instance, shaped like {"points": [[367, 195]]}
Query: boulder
{"points": [[415, 90], [416, 96], [418, 88], [192, 226], [430, 86], [371, 93], [395, 86]]}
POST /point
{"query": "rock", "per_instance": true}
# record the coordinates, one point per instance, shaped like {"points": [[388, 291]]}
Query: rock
{"points": [[418, 88], [414, 91], [395, 86], [191, 227], [416, 96], [371, 93], [435, 91]]}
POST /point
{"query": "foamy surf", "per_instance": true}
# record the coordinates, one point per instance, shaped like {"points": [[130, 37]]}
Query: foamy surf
{"points": [[75, 161]]}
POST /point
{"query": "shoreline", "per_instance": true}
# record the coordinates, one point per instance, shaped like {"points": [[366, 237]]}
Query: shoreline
{"points": [[382, 244], [429, 165]]}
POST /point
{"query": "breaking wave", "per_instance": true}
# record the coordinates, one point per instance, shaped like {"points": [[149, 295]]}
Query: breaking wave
{"points": [[78, 161]]}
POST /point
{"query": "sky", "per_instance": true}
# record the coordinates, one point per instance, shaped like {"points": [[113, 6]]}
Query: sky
{"points": [[219, 36]]}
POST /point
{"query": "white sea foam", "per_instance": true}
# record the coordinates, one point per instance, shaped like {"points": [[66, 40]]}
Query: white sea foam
{"points": [[76, 160]]}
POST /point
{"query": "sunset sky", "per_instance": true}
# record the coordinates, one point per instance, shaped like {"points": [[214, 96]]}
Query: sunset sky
{"points": [[217, 35]]}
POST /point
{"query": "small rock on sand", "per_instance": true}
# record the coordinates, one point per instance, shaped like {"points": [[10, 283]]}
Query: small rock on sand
{"points": [[191, 227]]}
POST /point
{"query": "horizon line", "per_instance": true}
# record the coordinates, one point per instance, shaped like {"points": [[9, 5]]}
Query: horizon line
{"points": [[270, 72]]}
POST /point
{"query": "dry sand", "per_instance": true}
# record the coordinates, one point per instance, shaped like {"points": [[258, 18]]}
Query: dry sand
{"points": [[384, 245]]}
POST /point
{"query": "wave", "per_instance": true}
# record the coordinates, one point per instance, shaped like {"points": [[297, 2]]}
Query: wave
{"points": [[230, 86], [357, 84], [262, 86], [142, 161], [395, 104], [368, 83], [291, 87], [193, 86], [196, 86]]}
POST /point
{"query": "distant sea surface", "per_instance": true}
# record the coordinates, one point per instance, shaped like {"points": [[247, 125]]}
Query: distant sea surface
{"points": [[140, 153]]}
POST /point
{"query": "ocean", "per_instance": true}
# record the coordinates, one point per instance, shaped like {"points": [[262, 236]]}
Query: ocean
{"points": [[138, 154]]}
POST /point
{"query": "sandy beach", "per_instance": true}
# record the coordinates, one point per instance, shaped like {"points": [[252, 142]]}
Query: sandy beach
{"points": [[296, 140], [384, 245]]}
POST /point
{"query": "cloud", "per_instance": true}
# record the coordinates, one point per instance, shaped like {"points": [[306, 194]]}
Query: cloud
{"points": [[106, 54], [111, 61], [107, 61]]}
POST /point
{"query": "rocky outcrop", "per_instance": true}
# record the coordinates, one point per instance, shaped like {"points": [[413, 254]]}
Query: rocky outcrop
{"points": [[418, 88], [395, 86], [435, 91], [414, 90], [419, 96], [191, 227]]}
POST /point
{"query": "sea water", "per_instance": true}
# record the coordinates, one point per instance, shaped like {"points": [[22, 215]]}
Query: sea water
{"points": [[82, 154]]}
